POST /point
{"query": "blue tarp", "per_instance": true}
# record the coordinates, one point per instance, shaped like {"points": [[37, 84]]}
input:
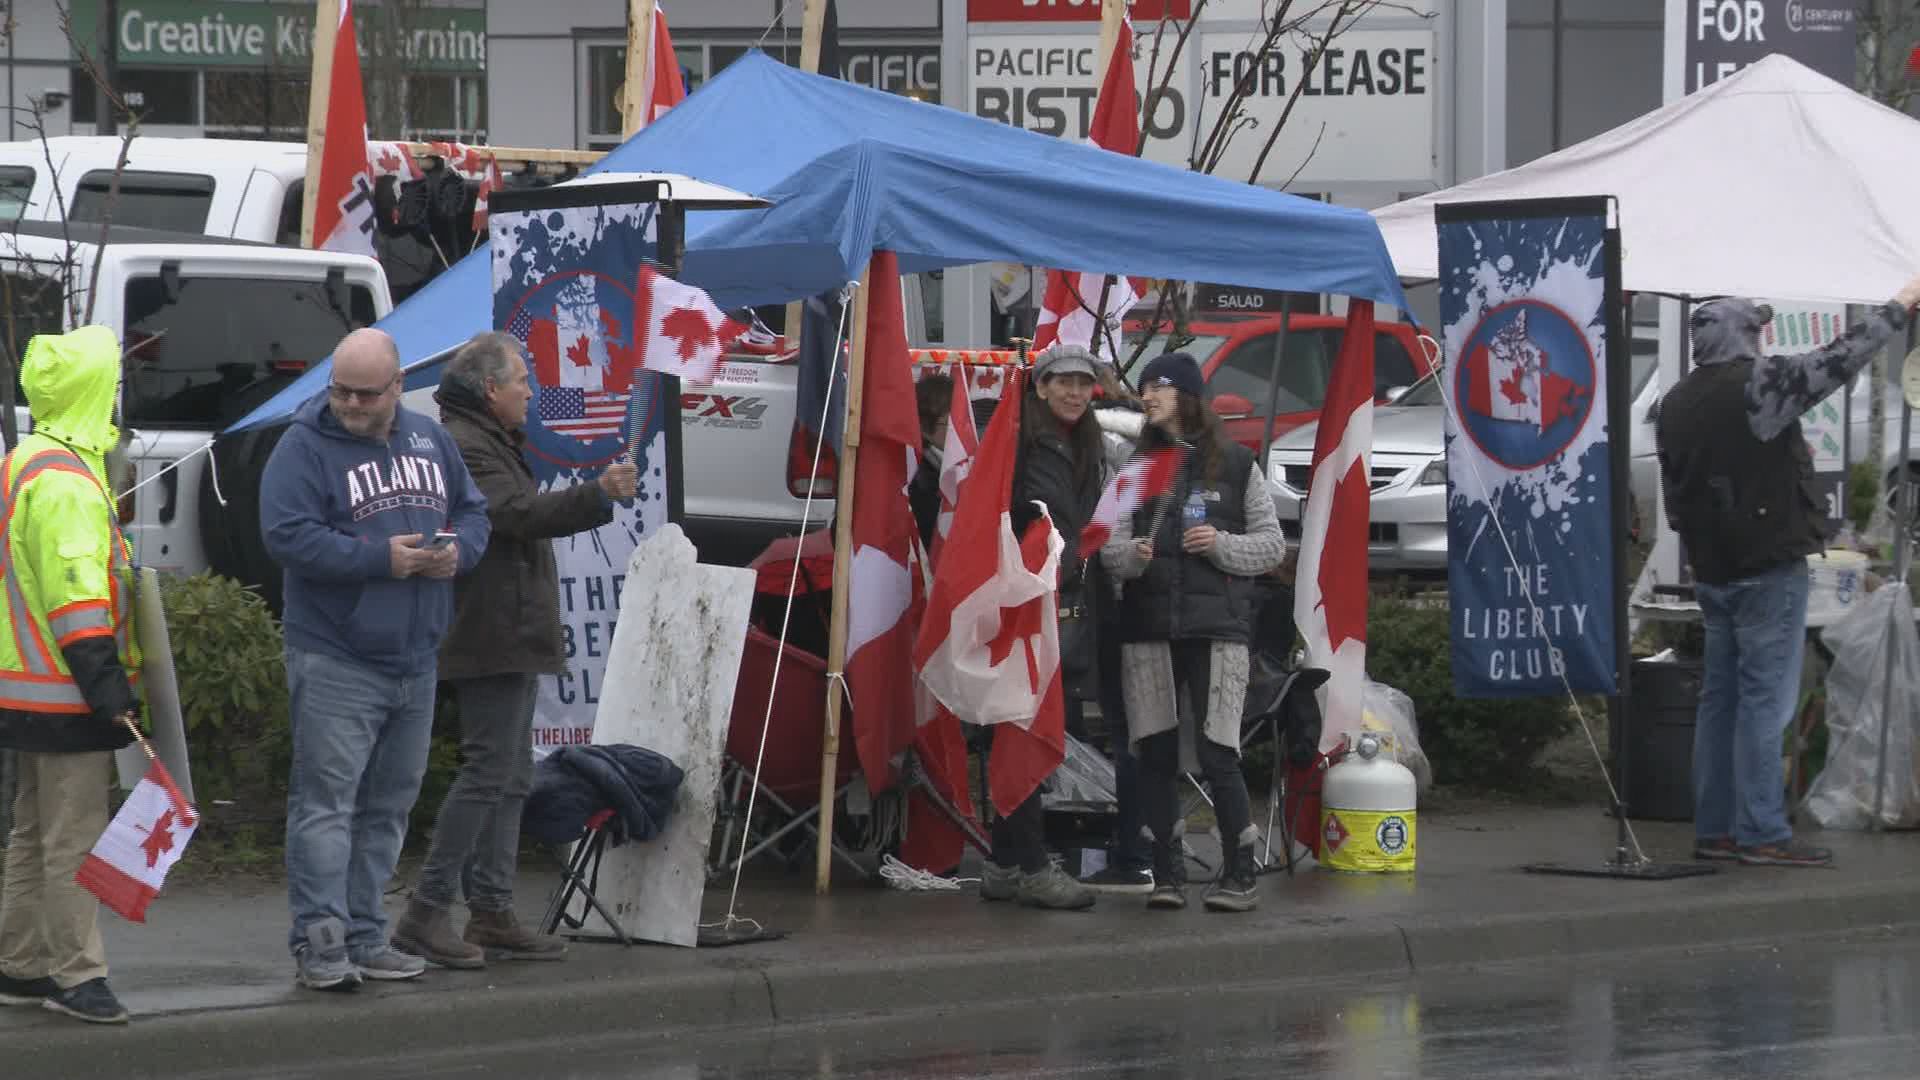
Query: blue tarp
{"points": [[851, 170]]}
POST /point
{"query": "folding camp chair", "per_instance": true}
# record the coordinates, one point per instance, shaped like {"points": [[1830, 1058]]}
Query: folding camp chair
{"points": [[579, 877]]}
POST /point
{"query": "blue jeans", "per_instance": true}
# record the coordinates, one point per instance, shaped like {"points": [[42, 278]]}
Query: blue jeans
{"points": [[1756, 637], [360, 742], [476, 839]]}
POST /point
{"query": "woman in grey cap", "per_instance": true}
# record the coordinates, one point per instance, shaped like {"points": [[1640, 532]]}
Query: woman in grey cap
{"points": [[1058, 465], [1188, 559]]}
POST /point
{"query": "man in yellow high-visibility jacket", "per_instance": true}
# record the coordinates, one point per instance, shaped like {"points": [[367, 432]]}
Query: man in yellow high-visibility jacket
{"points": [[67, 668]]}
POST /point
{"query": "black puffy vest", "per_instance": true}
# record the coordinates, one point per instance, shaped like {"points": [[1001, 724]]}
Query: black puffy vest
{"points": [[1185, 597], [1742, 507]]}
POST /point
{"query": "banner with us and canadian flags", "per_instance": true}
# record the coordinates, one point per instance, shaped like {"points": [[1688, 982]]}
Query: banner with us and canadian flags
{"points": [[1527, 291], [574, 286]]}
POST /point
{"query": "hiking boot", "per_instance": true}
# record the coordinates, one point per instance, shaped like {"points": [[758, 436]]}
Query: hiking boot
{"points": [[427, 932], [26, 991], [1054, 889], [999, 882], [501, 937], [322, 964], [90, 1001], [1169, 879], [388, 964], [1121, 880], [1785, 853], [1238, 886], [1719, 848]]}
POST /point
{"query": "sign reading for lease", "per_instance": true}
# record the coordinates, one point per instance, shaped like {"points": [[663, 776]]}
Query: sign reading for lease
{"points": [[1723, 36]]}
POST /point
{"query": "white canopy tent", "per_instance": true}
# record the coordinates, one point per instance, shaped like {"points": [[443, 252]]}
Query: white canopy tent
{"points": [[1774, 182]]}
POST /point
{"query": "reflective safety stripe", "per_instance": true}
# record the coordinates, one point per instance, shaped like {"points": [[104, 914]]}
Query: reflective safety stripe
{"points": [[55, 693], [85, 618]]}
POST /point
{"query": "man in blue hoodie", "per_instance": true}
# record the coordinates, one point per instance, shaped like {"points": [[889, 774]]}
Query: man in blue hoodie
{"points": [[350, 506]]}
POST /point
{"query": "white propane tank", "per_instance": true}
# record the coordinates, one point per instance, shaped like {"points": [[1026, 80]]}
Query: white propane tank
{"points": [[1367, 812]]}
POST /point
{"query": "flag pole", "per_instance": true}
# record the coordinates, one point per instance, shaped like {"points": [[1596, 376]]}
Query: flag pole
{"points": [[842, 585], [639, 58], [813, 25], [1112, 12], [326, 23]]}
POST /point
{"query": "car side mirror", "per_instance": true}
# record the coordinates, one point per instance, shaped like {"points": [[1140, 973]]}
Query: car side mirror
{"points": [[1232, 406]]}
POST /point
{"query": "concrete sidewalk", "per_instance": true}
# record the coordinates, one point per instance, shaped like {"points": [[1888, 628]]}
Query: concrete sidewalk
{"points": [[211, 986]]}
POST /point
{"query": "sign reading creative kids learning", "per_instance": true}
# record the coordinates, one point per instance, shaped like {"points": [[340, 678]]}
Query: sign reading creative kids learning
{"points": [[1524, 299]]}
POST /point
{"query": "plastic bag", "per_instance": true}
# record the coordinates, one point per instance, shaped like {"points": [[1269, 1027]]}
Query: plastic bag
{"points": [[1083, 783], [1389, 713], [1841, 797]]}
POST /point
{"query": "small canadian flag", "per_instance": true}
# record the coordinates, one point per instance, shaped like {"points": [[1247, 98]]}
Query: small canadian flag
{"points": [[1148, 473], [130, 861], [686, 334]]}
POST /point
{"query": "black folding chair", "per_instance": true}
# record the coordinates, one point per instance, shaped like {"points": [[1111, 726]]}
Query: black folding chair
{"points": [[580, 877]]}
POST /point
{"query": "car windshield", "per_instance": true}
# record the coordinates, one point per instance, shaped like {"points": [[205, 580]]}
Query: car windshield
{"points": [[1424, 392], [1201, 348]]}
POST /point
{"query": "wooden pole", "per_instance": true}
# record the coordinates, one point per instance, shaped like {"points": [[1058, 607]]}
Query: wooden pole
{"points": [[842, 586], [326, 24], [639, 57], [1111, 14], [813, 23]]}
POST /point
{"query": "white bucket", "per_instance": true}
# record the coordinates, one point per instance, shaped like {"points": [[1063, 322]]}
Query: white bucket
{"points": [[1835, 580]]}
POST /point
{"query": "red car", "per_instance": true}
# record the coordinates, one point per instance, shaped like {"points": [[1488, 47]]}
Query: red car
{"points": [[1236, 355]]}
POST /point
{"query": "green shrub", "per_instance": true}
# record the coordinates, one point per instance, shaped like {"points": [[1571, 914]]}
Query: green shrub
{"points": [[1863, 494], [233, 696], [1483, 742]]}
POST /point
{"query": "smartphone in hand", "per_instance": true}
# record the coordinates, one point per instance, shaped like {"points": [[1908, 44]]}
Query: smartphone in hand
{"points": [[440, 540]]}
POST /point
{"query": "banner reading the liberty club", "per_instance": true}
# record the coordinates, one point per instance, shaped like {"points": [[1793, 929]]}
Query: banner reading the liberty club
{"points": [[564, 283], [1525, 296]]}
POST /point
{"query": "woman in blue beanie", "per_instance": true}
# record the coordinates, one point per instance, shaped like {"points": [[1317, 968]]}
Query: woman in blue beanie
{"points": [[1188, 559]]}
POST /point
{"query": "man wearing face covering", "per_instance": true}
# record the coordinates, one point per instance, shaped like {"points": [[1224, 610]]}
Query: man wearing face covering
{"points": [[1739, 491]]}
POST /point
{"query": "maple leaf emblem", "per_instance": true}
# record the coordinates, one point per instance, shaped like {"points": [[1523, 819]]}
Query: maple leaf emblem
{"points": [[691, 329], [389, 161], [579, 354], [1510, 389], [611, 324], [1018, 626], [159, 839]]}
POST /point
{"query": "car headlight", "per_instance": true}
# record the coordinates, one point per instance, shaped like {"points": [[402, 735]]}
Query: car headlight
{"points": [[1434, 475]]}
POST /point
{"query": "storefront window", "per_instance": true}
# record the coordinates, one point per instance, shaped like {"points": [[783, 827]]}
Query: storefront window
{"points": [[156, 95]]}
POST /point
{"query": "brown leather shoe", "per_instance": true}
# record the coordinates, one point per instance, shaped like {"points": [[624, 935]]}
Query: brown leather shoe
{"points": [[427, 932], [503, 938]]}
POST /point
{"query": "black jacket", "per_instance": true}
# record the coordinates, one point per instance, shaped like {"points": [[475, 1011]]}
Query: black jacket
{"points": [[1044, 471], [1186, 597], [506, 613], [1741, 506], [573, 783]]}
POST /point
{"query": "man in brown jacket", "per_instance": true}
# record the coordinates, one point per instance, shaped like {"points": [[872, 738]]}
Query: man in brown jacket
{"points": [[505, 635]]}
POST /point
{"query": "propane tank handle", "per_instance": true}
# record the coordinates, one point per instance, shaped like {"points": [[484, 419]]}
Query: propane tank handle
{"points": [[1368, 746]]}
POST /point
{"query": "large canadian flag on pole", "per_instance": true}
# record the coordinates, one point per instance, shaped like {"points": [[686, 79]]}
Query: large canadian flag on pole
{"points": [[663, 88], [883, 608], [956, 455], [130, 861], [343, 218], [1330, 586], [989, 647], [1068, 305]]}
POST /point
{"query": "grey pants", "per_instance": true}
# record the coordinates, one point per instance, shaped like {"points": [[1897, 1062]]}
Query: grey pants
{"points": [[476, 840]]}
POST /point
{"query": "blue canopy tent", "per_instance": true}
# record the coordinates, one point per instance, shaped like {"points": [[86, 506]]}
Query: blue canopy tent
{"points": [[851, 170]]}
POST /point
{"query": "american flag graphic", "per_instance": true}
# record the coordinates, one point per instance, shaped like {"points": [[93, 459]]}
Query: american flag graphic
{"points": [[584, 414]]}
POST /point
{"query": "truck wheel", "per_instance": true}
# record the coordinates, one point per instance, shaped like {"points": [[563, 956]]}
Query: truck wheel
{"points": [[231, 533]]}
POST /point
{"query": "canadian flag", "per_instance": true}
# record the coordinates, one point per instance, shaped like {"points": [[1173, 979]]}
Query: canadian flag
{"points": [[343, 217], [1508, 378], [685, 333], [1330, 598], [1148, 472], [885, 598], [989, 646], [956, 455], [130, 861], [1068, 305], [489, 184], [662, 88]]}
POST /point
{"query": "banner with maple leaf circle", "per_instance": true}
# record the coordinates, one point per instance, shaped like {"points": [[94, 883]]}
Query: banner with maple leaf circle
{"points": [[1525, 302]]}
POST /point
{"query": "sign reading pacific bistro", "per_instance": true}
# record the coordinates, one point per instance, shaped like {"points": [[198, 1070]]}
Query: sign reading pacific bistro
{"points": [[1365, 111], [234, 34]]}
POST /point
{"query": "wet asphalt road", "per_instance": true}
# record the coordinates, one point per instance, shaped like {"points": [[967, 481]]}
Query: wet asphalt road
{"points": [[1804, 1011]]}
